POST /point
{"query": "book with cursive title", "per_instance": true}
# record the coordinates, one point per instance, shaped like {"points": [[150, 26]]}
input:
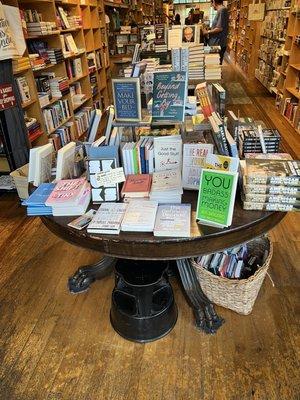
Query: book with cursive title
{"points": [[137, 186], [167, 153]]}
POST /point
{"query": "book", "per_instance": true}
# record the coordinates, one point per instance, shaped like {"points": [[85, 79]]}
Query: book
{"points": [[82, 221], [169, 96], [65, 161], [36, 201], [173, 220], [224, 163], [126, 94], [217, 190], [137, 186], [166, 187], [140, 216], [272, 172], [167, 152], [40, 164], [108, 219], [273, 198], [23, 89], [94, 125], [67, 192], [194, 157]]}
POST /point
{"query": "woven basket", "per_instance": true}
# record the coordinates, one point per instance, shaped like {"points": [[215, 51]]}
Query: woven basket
{"points": [[238, 295]]}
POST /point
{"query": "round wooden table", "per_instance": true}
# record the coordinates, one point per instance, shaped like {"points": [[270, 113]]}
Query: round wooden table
{"points": [[246, 225]]}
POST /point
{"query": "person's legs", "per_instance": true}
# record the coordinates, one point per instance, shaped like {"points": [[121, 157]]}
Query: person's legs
{"points": [[222, 52]]}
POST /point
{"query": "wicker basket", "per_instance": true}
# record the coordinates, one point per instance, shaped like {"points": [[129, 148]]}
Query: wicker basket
{"points": [[20, 177], [236, 294]]}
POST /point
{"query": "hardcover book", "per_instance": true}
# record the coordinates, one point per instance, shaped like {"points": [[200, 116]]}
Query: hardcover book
{"points": [[216, 197], [169, 96], [127, 99], [137, 185]]}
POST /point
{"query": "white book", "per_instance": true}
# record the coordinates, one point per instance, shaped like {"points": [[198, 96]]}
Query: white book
{"points": [[173, 220], [163, 181], [108, 219], [94, 126], [167, 152], [78, 209], [194, 157], [65, 161], [111, 114], [139, 216], [174, 37], [40, 164]]}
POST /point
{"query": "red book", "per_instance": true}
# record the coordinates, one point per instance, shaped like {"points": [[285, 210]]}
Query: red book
{"points": [[138, 185]]}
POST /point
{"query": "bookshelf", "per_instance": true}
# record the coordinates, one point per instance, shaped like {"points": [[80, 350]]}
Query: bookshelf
{"points": [[84, 22], [243, 42], [271, 56], [288, 85]]}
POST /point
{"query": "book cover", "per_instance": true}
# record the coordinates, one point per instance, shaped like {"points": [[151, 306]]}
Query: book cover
{"points": [[127, 99], [137, 185], [173, 220], [108, 218], [40, 195], [273, 172], [167, 153], [216, 197], [194, 157], [166, 180], [140, 216], [224, 163], [67, 192], [169, 96]]}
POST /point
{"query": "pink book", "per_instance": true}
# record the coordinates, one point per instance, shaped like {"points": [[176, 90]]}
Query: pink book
{"points": [[67, 192]]}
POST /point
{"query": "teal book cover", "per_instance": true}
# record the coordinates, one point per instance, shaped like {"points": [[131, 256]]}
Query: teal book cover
{"points": [[169, 95]]}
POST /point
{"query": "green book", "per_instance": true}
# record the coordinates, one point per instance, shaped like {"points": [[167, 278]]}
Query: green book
{"points": [[216, 197], [135, 160]]}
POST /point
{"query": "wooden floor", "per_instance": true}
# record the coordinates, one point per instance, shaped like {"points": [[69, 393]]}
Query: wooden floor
{"points": [[54, 345]]}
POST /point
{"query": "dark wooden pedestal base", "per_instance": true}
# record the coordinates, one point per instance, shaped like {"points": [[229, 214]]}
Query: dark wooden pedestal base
{"points": [[206, 318]]}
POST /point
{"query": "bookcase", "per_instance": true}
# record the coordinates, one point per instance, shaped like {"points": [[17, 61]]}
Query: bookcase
{"points": [[75, 41], [243, 43], [288, 85]]}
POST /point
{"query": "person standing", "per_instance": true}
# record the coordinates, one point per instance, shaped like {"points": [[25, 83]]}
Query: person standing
{"points": [[177, 20], [217, 35]]}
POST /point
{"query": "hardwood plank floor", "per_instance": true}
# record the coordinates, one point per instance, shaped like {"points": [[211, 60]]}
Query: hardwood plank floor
{"points": [[56, 346]]}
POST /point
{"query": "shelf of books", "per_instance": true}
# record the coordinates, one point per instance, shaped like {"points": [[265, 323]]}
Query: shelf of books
{"points": [[64, 72], [288, 85], [243, 42], [272, 54]]}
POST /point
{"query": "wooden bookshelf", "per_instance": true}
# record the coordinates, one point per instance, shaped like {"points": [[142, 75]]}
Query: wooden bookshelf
{"points": [[91, 37], [288, 86]]}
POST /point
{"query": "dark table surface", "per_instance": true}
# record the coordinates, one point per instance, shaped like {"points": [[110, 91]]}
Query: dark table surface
{"points": [[204, 239]]}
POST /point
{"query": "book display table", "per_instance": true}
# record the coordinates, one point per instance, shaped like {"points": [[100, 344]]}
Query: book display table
{"points": [[246, 225]]}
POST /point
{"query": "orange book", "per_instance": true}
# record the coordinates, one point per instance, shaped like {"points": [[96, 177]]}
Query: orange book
{"points": [[138, 185]]}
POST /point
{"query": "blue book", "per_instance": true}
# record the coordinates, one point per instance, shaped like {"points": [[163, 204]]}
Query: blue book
{"points": [[39, 196], [169, 96]]}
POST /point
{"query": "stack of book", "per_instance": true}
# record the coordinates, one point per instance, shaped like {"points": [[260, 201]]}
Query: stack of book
{"points": [[108, 219], [204, 99], [55, 55], [147, 77], [37, 62], [68, 21], [20, 64], [35, 203], [70, 197], [59, 86], [161, 48], [196, 62], [272, 185], [139, 216], [34, 128], [138, 158], [44, 99], [250, 141], [41, 28], [166, 187], [136, 186], [212, 67]]}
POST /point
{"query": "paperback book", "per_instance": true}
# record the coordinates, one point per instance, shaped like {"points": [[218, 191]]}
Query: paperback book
{"points": [[173, 220], [216, 197], [108, 219], [194, 158]]}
